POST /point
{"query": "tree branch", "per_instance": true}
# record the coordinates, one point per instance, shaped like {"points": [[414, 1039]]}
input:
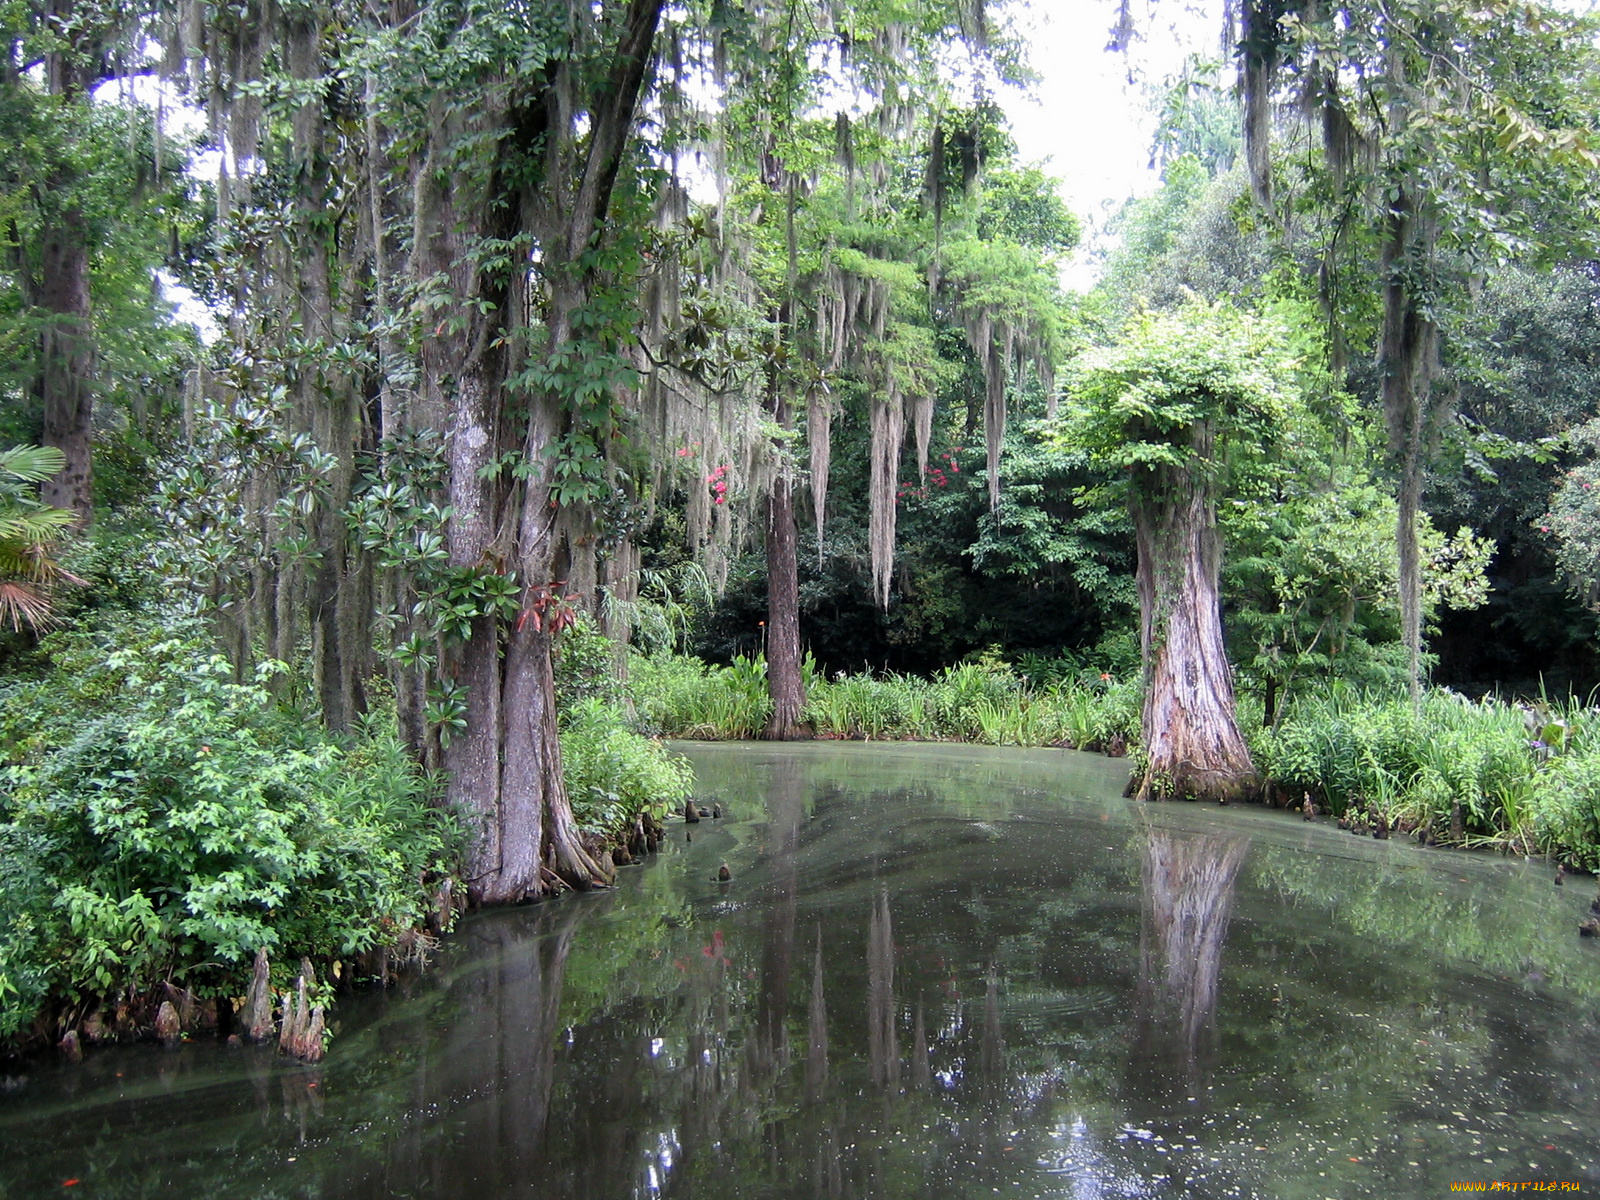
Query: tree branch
{"points": [[613, 117]]}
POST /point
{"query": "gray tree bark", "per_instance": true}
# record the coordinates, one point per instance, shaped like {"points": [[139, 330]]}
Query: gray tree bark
{"points": [[1192, 745]]}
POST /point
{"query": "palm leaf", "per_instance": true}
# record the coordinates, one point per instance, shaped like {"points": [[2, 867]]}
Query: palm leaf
{"points": [[28, 531], [35, 527], [31, 464], [23, 604]]}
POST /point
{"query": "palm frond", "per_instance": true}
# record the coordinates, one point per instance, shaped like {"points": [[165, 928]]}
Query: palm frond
{"points": [[34, 526], [33, 564], [23, 604], [31, 464], [28, 531]]}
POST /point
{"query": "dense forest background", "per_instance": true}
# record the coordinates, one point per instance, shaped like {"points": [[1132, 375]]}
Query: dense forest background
{"points": [[541, 345]]}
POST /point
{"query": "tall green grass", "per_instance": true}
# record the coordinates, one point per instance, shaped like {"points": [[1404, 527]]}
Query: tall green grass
{"points": [[1479, 772], [684, 697], [986, 702]]}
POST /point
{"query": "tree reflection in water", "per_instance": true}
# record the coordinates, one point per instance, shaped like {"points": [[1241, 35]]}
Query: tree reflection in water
{"points": [[883, 1043], [993, 998], [500, 1087], [1188, 892], [817, 1031], [768, 1049]]}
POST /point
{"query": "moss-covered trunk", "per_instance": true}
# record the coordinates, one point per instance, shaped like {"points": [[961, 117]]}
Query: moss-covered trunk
{"points": [[1192, 745]]}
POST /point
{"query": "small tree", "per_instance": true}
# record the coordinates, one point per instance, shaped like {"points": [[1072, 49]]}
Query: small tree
{"points": [[1184, 407]]}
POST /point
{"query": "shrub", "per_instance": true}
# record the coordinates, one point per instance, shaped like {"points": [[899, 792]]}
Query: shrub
{"points": [[614, 774], [161, 821], [1566, 813]]}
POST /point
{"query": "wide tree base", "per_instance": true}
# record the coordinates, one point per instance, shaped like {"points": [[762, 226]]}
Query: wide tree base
{"points": [[1187, 782], [787, 732]]}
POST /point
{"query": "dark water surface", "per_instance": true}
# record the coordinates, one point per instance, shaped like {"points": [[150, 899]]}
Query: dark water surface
{"points": [[937, 971]]}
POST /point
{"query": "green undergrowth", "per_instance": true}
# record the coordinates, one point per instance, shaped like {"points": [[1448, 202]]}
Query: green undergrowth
{"points": [[986, 701], [1522, 777], [161, 821], [614, 774]]}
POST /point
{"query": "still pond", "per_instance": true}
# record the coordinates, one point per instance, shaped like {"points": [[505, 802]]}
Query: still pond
{"points": [[936, 971]]}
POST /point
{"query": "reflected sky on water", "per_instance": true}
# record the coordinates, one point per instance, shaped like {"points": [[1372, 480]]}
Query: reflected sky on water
{"points": [[936, 971]]}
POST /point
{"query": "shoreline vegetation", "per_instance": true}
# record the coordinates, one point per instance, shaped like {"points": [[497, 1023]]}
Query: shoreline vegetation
{"points": [[184, 851], [187, 854], [1520, 777]]}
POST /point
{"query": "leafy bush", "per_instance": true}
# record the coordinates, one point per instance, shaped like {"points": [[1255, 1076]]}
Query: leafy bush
{"points": [[161, 821], [613, 774], [583, 660], [1568, 813]]}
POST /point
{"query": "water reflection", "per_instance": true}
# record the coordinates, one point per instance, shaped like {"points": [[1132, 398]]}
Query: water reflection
{"points": [[933, 973], [491, 1069], [786, 799], [817, 1029], [1188, 887], [883, 1045]]}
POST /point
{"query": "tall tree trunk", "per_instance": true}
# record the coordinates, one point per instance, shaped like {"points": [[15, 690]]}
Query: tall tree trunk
{"points": [[457, 380], [1410, 556], [533, 788], [1192, 745], [785, 683], [504, 767], [472, 755], [1409, 351], [66, 376], [536, 809], [67, 358]]}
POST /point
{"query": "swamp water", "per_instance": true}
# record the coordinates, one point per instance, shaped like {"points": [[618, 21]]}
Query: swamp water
{"points": [[937, 971]]}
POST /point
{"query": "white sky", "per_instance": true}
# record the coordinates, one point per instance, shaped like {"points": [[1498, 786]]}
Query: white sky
{"points": [[1084, 118]]}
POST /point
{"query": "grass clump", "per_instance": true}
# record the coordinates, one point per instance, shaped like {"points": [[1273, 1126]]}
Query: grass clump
{"points": [[684, 697], [1474, 772], [986, 700]]}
